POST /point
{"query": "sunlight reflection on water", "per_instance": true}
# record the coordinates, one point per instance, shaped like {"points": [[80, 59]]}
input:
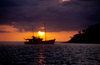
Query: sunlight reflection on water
{"points": [[57, 54]]}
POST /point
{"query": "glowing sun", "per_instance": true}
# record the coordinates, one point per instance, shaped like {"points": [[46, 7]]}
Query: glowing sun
{"points": [[41, 33]]}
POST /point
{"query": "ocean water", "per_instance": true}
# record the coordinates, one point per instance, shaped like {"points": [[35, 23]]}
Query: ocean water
{"points": [[17, 53]]}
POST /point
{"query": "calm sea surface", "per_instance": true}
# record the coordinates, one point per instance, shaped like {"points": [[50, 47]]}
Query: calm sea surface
{"points": [[17, 53]]}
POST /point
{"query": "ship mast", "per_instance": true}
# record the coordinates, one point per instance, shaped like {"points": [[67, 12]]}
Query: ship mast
{"points": [[45, 31], [33, 31]]}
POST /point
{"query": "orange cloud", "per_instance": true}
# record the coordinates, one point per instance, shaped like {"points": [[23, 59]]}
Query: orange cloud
{"points": [[65, 0], [8, 28]]}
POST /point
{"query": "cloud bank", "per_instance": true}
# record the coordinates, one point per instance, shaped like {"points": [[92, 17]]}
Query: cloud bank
{"points": [[7, 28], [57, 14]]}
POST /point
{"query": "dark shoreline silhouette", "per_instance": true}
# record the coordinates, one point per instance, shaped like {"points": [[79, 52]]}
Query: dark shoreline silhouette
{"points": [[89, 35]]}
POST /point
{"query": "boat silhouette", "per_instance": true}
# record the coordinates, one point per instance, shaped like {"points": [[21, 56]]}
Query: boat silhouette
{"points": [[38, 40]]}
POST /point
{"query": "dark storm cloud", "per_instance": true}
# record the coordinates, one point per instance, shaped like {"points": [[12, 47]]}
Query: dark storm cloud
{"points": [[89, 10], [94, 14], [69, 15], [12, 3]]}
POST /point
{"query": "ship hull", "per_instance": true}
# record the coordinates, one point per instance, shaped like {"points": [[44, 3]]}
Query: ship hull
{"points": [[41, 42]]}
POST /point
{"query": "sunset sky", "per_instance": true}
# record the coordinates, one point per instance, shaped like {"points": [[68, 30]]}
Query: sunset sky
{"points": [[63, 18]]}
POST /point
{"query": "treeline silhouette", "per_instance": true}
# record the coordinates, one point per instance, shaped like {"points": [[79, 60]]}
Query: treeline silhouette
{"points": [[89, 35]]}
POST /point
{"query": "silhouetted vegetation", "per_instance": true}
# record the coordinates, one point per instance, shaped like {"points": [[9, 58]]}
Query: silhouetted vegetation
{"points": [[89, 35]]}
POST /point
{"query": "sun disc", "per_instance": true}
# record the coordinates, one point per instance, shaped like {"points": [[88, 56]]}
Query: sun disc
{"points": [[41, 33]]}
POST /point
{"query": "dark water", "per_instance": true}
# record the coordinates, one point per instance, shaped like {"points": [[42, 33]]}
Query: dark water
{"points": [[14, 53]]}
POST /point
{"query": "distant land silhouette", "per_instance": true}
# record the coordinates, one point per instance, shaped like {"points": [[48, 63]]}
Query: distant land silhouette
{"points": [[89, 35]]}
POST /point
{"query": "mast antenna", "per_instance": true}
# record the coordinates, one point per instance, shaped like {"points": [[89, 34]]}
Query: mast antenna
{"points": [[45, 30]]}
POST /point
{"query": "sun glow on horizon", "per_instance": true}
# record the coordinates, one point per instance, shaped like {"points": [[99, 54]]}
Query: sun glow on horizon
{"points": [[21, 36], [41, 33]]}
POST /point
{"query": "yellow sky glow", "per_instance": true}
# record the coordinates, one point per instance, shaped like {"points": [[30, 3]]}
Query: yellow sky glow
{"points": [[41, 33], [20, 36], [14, 35]]}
